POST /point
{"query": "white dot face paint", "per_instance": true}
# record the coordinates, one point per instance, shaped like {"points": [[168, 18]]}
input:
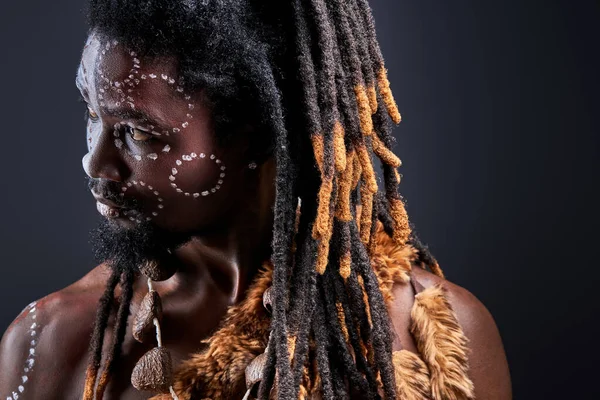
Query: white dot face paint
{"points": [[112, 96], [139, 186], [162, 133], [194, 157]]}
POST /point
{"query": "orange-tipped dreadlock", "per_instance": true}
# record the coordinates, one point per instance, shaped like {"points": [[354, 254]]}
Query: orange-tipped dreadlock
{"points": [[102, 314], [344, 214], [386, 92], [377, 60], [339, 147]]}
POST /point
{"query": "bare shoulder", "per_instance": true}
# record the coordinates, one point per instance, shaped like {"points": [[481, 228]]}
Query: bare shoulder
{"points": [[488, 367], [47, 342]]}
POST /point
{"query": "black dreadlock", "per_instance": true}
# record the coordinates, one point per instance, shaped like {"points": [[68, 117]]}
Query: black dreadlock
{"points": [[97, 339], [310, 75]]}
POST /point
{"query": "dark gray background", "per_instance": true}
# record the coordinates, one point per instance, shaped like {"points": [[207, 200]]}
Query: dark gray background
{"points": [[499, 144]]}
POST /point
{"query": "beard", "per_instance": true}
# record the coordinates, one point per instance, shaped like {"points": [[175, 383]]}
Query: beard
{"points": [[126, 249]]}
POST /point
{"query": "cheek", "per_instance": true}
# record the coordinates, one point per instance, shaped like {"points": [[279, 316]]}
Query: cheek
{"points": [[91, 135], [179, 191], [197, 175], [90, 139]]}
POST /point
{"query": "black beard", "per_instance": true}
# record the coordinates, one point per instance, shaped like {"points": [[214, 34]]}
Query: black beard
{"points": [[127, 248]]}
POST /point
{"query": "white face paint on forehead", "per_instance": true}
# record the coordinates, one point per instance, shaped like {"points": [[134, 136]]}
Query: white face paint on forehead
{"points": [[82, 74], [119, 90], [28, 368]]}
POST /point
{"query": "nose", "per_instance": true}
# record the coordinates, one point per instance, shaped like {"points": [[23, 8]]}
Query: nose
{"points": [[103, 160]]}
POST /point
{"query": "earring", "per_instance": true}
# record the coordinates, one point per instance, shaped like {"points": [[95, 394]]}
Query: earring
{"points": [[252, 165]]}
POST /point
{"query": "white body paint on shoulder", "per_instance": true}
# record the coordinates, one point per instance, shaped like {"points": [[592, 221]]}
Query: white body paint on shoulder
{"points": [[33, 332]]}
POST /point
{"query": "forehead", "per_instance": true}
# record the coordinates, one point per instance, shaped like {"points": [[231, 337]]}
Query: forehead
{"points": [[106, 61]]}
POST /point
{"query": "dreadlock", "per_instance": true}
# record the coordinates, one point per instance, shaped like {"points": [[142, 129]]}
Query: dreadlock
{"points": [[106, 302], [310, 75], [119, 330], [97, 339]]}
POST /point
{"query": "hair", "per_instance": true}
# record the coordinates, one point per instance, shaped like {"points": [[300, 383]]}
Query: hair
{"points": [[310, 76]]}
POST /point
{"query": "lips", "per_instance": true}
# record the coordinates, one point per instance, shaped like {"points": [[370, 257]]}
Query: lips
{"points": [[107, 211], [106, 207]]}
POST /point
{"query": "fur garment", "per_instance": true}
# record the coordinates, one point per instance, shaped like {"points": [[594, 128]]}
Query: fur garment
{"points": [[439, 372]]}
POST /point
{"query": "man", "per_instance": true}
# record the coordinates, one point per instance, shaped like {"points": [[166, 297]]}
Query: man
{"points": [[230, 149]]}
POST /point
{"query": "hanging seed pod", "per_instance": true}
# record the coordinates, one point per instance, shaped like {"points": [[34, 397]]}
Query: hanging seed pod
{"points": [[268, 300], [154, 371], [143, 324], [254, 372]]}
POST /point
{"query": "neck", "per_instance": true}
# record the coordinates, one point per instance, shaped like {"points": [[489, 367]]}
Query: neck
{"points": [[228, 256]]}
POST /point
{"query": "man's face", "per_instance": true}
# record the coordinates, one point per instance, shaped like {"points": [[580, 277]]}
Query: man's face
{"points": [[151, 144]]}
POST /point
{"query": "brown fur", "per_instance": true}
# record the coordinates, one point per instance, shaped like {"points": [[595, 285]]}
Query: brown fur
{"points": [[218, 371], [392, 263], [412, 376], [442, 344]]}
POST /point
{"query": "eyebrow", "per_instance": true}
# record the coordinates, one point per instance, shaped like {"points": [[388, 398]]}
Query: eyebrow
{"points": [[123, 113], [126, 113], [79, 80], [79, 85]]}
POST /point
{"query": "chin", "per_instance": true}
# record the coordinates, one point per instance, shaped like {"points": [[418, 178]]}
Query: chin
{"points": [[128, 243]]}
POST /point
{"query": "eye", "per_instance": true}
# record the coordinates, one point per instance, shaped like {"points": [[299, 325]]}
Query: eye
{"points": [[92, 113], [89, 112], [138, 135]]}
